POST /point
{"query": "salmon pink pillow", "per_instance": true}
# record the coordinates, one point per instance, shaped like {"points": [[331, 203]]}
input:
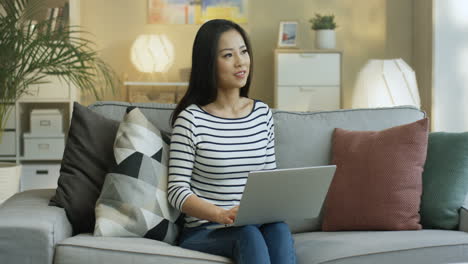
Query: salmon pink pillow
{"points": [[378, 181]]}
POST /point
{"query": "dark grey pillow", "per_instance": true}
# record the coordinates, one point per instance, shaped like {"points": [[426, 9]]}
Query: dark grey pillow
{"points": [[88, 156]]}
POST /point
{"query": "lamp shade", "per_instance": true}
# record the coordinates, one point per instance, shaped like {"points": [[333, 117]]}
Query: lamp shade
{"points": [[383, 83], [152, 53]]}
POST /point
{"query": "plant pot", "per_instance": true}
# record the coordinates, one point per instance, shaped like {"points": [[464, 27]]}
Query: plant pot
{"points": [[325, 39], [9, 179]]}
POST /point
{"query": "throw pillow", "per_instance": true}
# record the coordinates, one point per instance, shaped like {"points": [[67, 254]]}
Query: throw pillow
{"points": [[133, 201], [445, 180], [378, 181], [86, 160]]}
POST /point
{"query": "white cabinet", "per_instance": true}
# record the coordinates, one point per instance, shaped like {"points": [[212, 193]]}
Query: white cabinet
{"points": [[35, 151], [307, 80]]}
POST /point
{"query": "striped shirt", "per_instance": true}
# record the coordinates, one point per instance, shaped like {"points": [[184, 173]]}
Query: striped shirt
{"points": [[211, 156]]}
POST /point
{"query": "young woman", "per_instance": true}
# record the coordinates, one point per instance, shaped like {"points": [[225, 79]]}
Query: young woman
{"points": [[219, 136]]}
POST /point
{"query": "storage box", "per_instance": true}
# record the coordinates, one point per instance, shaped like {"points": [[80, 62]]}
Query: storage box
{"points": [[46, 121], [8, 143], [39, 176], [43, 146]]}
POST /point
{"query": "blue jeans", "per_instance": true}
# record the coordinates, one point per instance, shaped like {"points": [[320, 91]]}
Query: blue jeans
{"points": [[268, 243]]}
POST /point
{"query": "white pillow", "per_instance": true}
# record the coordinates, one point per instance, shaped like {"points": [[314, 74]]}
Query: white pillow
{"points": [[133, 200]]}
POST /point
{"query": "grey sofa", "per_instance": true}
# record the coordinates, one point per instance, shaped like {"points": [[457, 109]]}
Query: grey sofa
{"points": [[33, 232]]}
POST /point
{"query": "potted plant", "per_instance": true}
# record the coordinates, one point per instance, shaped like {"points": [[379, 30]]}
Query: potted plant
{"points": [[32, 50], [324, 26]]}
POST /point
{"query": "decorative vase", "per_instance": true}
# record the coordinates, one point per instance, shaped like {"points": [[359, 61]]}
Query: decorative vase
{"points": [[325, 39], [9, 179]]}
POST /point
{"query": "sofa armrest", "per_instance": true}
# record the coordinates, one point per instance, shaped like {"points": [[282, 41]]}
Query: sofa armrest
{"points": [[29, 228], [463, 224]]}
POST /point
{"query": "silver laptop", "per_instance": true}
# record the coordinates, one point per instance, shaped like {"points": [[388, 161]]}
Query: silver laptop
{"points": [[282, 194]]}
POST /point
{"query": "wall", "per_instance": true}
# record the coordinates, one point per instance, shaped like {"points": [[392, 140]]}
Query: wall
{"points": [[367, 29], [115, 25], [422, 51]]}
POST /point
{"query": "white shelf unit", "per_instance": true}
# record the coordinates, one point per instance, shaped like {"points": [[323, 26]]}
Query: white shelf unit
{"points": [[34, 167], [308, 80], [40, 172]]}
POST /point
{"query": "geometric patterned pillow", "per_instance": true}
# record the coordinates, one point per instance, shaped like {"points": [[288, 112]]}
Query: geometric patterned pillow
{"points": [[133, 200]]}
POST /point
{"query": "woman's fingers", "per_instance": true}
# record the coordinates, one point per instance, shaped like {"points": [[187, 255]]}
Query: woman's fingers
{"points": [[233, 212], [225, 217], [228, 216], [229, 220]]}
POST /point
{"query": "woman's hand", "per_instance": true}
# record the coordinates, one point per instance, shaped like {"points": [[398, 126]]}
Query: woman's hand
{"points": [[199, 208], [227, 216]]}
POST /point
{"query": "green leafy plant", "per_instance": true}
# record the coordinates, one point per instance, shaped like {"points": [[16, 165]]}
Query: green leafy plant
{"points": [[323, 22], [30, 51]]}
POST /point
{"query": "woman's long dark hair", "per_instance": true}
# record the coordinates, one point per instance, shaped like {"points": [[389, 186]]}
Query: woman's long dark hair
{"points": [[203, 85]]}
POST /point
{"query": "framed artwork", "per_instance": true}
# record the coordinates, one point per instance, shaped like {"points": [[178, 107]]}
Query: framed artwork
{"points": [[196, 11], [287, 36]]}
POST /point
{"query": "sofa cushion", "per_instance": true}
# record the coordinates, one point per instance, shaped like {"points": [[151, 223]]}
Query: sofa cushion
{"points": [[133, 201], [378, 181], [423, 246], [86, 159], [445, 180], [86, 248], [382, 247]]}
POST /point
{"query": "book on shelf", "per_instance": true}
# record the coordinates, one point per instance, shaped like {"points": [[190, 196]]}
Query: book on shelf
{"points": [[58, 17], [65, 16], [53, 18]]}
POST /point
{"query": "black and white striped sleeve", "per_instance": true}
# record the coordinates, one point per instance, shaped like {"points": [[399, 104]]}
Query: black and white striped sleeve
{"points": [[270, 162], [181, 159]]}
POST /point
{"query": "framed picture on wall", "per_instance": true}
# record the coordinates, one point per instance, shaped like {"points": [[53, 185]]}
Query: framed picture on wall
{"points": [[196, 11], [287, 37]]}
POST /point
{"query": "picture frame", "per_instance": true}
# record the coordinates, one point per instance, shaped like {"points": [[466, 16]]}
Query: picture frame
{"points": [[287, 36], [195, 11]]}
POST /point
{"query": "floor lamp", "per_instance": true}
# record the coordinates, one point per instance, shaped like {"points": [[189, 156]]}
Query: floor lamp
{"points": [[384, 83]]}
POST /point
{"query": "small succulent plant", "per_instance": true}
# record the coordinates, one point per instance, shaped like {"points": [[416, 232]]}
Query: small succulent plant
{"points": [[323, 22]]}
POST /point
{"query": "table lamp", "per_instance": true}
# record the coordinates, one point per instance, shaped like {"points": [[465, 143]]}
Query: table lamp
{"points": [[384, 83], [152, 53]]}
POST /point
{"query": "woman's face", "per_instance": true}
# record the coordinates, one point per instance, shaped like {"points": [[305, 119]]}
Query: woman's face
{"points": [[233, 61]]}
